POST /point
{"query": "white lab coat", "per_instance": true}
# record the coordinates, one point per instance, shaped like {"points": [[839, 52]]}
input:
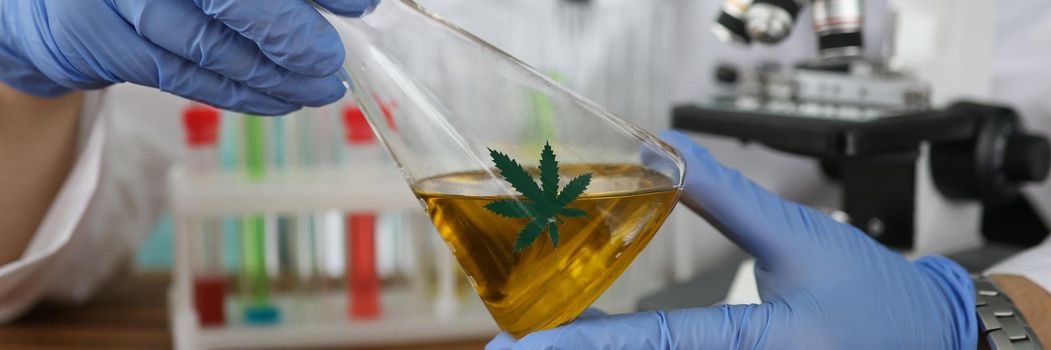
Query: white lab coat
{"points": [[116, 189], [108, 202], [48, 256]]}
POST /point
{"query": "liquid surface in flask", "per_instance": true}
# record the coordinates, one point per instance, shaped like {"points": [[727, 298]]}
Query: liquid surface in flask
{"points": [[541, 286]]}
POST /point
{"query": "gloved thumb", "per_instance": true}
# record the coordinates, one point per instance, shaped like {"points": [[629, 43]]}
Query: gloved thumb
{"points": [[762, 223]]}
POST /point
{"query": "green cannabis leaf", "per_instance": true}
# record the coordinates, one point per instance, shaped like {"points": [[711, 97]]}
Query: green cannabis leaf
{"points": [[544, 204]]}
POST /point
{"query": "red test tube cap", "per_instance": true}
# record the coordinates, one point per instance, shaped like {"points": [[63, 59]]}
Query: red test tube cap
{"points": [[356, 127], [201, 123]]}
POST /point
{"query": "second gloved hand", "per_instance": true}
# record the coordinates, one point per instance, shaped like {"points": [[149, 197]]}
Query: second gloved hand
{"points": [[824, 284], [258, 56]]}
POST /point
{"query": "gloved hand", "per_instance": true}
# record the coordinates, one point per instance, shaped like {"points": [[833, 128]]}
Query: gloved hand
{"points": [[824, 284], [258, 56]]}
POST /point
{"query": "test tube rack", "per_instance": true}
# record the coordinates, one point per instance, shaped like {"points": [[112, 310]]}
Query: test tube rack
{"points": [[407, 320]]}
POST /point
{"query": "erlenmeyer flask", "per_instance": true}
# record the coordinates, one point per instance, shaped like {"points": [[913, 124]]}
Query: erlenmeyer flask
{"points": [[543, 197]]}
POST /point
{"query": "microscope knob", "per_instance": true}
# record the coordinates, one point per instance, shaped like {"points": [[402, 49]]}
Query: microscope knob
{"points": [[726, 73], [1027, 158], [994, 162]]}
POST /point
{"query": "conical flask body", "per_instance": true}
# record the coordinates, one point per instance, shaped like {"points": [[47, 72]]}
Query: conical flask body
{"points": [[543, 197]]}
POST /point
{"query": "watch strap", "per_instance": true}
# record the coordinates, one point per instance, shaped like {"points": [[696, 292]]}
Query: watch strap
{"points": [[1000, 322]]}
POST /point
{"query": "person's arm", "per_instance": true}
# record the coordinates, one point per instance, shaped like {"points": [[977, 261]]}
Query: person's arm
{"points": [[1033, 301], [38, 138]]}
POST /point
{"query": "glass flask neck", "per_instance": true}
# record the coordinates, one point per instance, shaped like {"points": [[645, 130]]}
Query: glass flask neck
{"points": [[440, 100]]}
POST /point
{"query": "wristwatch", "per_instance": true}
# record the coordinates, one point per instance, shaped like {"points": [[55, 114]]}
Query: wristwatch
{"points": [[1000, 325]]}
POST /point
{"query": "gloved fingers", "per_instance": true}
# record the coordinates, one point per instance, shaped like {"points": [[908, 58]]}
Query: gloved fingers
{"points": [[722, 327], [181, 28], [505, 341], [290, 32], [591, 313], [502, 341], [351, 8], [187, 80], [767, 226], [752, 326], [181, 77], [646, 330], [156, 67]]}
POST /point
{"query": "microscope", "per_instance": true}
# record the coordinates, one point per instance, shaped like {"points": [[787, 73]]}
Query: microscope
{"points": [[919, 159], [920, 166], [915, 175]]}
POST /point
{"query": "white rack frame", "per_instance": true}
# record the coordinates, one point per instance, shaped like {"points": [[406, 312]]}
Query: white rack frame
{"points": [[326, 189]]}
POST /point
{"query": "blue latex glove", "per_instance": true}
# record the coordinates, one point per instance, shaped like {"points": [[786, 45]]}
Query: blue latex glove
{"points": [[254, 56], [824, 285]]}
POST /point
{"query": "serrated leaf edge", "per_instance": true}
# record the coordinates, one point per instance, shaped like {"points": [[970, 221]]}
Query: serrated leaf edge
{"points": [[548, 198]]}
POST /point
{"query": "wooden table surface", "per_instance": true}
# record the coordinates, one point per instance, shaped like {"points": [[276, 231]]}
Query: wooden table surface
{"points": [[130, 313]]}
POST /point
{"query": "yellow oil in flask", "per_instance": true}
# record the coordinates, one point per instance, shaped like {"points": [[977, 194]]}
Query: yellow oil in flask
{"points": [[543, 286]]}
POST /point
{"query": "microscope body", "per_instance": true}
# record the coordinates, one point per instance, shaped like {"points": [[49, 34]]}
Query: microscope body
{"points": [[917, 170]]}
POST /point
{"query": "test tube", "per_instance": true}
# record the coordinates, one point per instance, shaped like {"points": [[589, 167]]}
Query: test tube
{"points": [[201, 124], [363, 282], [310, 279], [300, 156], [230, 164], [285, 223], [391, 249], [209, 284], [258, 308]]}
